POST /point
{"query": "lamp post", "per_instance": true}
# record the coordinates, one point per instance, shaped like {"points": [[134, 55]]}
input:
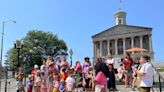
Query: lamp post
{"points": [[6, 70], [71, 53], [3, 27], [18, 47]]}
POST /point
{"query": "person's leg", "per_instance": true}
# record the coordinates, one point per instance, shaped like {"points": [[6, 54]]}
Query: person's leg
{"points": [[134, 81], [126, 80], [130, 79], [35, 89]]}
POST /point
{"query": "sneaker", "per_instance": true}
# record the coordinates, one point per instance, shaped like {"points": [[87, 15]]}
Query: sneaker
{"points": [[133, 89]]}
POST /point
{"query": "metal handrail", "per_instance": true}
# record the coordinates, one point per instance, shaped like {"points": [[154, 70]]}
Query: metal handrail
{"points": [[160, 77]]}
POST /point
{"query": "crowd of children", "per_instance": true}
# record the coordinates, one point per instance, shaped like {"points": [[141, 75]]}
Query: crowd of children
{"points": [[61, 77], [51, 77]]}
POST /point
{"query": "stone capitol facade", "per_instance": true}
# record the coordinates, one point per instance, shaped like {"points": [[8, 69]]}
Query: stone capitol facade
{"points": [[121, 37]]}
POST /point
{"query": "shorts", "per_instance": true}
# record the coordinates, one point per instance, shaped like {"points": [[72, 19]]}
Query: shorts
{"points": [[98, 88], [87, 80], [128, 71], [70, 88]]}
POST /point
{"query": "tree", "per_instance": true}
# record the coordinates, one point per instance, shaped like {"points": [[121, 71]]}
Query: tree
{"points": [[37, 46]]}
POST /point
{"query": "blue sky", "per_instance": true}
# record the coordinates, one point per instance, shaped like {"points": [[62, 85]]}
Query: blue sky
{"points": [[75, 21]]}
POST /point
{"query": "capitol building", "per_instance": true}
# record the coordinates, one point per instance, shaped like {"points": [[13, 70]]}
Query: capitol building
{"points": [[117, 39]]}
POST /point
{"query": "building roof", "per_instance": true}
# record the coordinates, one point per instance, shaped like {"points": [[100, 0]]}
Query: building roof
{"points": [[113, 30]]}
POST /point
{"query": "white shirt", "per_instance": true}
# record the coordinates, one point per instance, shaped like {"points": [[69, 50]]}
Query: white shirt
{"points": [[110, 61], [70, 83], [147, 79]]}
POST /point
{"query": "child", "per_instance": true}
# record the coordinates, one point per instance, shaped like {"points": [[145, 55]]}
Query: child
{"points": [[37, 82], [19, 84], [43, 82], [29, 85], [111, 78], [56, 83], [120, 75], [50, 82], [88, 79], [79, 83], [62, 86], [70, 82], [102, 72]]}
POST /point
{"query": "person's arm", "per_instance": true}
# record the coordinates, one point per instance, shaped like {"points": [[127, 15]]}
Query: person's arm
{"points": [[123, 67], [142, 71]]}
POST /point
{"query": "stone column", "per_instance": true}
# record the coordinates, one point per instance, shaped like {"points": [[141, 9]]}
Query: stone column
{"points": [[132, 44], [132, 40], [100, 48], [116, 48], [150, 43], [141, 42], [94, 49], [124, 48], [108, 46]]}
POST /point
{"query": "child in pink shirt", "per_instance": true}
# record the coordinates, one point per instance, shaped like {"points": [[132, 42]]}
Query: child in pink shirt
{"points": [[102, 71]]}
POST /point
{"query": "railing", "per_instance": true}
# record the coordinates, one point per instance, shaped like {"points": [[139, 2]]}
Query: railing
{"points": [[160, 80]]}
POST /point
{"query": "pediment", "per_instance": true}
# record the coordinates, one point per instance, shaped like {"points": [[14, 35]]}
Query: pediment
{"points": [[120, 30]]}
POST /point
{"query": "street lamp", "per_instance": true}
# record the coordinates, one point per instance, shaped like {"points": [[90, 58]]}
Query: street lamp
{"points": [[3, 27], [71, 53], [18, 47]]}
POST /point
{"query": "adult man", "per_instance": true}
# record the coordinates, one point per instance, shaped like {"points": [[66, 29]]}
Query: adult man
{"points": [[110, 60], [146, 73]]}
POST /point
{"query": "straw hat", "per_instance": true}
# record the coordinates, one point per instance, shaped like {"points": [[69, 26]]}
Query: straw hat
{"points": [[29, 76], [36, 66]]}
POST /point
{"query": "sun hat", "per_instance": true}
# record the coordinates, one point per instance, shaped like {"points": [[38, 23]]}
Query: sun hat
{"points": [[36, 66]]}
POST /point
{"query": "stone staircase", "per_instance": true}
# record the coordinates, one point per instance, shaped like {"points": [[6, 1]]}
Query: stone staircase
{"points": [[120, 88]]}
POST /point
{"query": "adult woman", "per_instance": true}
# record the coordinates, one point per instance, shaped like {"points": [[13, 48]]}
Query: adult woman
{"points": [[64, 65], [85, 68], [86, 65], [127, 67], [78, 67]]}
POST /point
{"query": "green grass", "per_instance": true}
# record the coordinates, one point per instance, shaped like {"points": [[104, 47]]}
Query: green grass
{"points": [[161, 69]]}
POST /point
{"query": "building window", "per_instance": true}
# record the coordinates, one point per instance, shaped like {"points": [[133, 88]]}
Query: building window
{"points": [[97, 49], [112, 47], [120, 21], [120, 46], [146, 42], [128, 43], [104, 48], [137, 42]]}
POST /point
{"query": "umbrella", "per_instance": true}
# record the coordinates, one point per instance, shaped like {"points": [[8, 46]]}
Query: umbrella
{"points": [[136, 50]]}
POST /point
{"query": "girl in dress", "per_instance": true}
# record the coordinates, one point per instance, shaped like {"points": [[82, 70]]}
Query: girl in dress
{"points": [[29, 84], [37, 82], [19, 84], [50, 82], [56, 84]]}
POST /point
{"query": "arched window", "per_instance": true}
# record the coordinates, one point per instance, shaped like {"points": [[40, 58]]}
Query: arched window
{"points": [[120, 21]]}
